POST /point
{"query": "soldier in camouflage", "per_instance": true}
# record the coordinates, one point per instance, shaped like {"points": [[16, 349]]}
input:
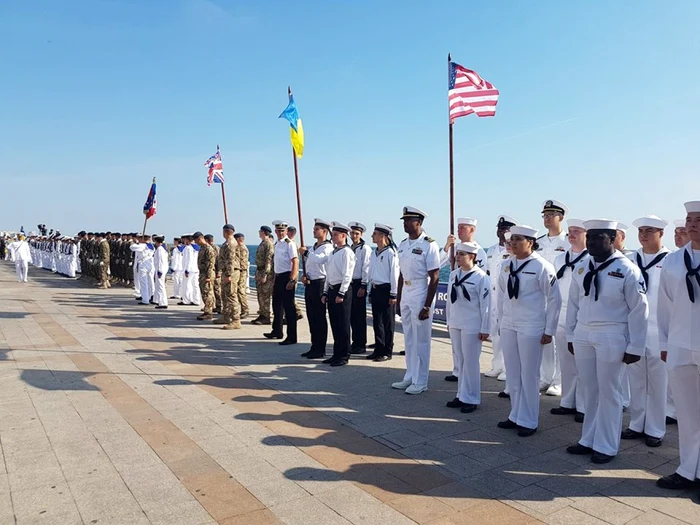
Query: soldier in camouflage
{"points": [[217, 281], [264, 275], [103, 256], [243, 256], [206, 263], [230, 274]]}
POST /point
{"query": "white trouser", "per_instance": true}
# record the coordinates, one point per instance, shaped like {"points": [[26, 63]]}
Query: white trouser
{"points": [[626, 392], [550, 373], [648, 387], [599, 363], [137, 281], [684, 377], [571, 393], [160, 295], [146, 284], [466, 349], [22, 268], [178, 278], [523, 356], [416, 335], [670, 404], [497, 363]]}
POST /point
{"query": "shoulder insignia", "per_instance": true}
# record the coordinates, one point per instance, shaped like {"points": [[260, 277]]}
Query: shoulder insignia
{"points": [[429, 239], [286, 239], [541, 237]]}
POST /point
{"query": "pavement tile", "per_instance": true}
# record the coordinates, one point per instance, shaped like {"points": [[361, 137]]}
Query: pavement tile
{"points": [[49, 504], [606, 509], [539, 499], [305, 511]]}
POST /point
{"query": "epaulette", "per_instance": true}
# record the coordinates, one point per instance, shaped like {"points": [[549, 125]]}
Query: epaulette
{"points": [[541, 237], [429, 239], [287, 239]]}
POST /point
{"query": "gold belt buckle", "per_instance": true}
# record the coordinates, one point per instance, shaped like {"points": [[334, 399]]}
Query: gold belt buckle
{"points": [[407, 283]]}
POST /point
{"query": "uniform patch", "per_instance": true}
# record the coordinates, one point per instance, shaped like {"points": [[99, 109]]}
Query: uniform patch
{"points": [[642, 287], [507, 269], [580, 270], [617, 274], [559, 249], [429, 239], [417, 251]]}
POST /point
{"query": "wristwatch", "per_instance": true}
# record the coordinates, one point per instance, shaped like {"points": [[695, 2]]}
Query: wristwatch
{"points": [[426, 308]]}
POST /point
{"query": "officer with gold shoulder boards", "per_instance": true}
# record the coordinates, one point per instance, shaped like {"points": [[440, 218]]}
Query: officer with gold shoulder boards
{"points": [[286, 263]]}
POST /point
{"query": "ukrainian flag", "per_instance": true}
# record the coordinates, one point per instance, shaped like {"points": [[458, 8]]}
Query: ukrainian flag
{"points": [[296, 130]]}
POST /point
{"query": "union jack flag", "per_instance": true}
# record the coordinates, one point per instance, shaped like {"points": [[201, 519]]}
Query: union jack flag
{"points": [[216, 168]]}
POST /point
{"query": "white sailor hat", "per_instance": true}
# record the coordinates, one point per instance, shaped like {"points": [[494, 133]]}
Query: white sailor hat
{"points": [[556, 206], [679, 223], [466, 220], [323, 223], [524, 230], [384, 228], [650, 221], [602, 224], [409, 212], [280, 225], [504, 221], [340, 227], [692, 206], [354, 225], [575, 223], [467, 247], [621, 226]]}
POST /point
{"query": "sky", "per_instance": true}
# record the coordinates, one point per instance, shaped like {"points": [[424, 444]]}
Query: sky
{"points": [[598, 108]]}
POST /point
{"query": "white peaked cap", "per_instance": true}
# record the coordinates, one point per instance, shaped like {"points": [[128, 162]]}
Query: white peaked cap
{"points": [[468, 247], [679, 223], [575, 223], [506, 218], [692, 207], [467, 220], [321, 222], [409, 212], [650, 221], [384, 228], [552, 205], [357, 226], [339, 226], [524, 230], [602, 224], [622, 226], [280, 225]]}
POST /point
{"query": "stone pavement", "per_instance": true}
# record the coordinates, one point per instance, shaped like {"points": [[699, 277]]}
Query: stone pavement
{"points": [[112, 413]]}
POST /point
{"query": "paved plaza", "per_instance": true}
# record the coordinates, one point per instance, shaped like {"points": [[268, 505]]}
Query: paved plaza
{"points": [[114, 413]]}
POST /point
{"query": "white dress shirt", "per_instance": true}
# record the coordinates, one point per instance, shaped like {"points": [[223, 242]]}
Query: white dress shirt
{"points": [[339, 268], [551, 247], [285, 252], [565, 280], [384, 268], [362, 255], [652, 286], [316, 259], [470, 315]]}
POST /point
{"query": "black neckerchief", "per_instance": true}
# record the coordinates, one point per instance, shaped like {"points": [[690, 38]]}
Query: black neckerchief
{"points": [[592, 276], [570, 264], [459, 283], [514, 280], [640, 263], [690, 273]]}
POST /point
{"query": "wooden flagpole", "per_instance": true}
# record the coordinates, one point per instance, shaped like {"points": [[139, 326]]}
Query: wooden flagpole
{"points": [[452, 169], [223, 198], [296, 179]]}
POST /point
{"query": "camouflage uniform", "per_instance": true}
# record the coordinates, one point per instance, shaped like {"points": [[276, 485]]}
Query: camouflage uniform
{"points": [[264, 258], [230, 270], [206, 263], [104, 254], [217, 282], [243, 255]]}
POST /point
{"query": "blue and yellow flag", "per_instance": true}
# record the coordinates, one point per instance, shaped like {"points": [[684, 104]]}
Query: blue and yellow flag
{"points": [[296, 130]]}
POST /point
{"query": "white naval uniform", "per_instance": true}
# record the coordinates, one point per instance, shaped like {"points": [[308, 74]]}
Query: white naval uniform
{"points": [[466, 319], [495, 256], [144, 254], [135, 269], [21, 255], [417, 257], [523, 322], [481, 257], [191, 284], [602, 332], [176, 264], [381, 272], [648, 377], [317, 259], [160, 260], [679, 334], [567, 374], [550, 247], [362, 254]]}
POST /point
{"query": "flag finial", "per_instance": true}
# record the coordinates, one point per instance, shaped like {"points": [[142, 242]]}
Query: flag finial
{"points": [[449, 57]]}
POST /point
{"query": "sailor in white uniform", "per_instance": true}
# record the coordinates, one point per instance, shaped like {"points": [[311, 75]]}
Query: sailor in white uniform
{"points": [[551, 245], [21, 255], [680, 234], [177, 267], [495, 256], [160, 262], [606, 322], [468, 320], [528, 309], [360, 278], [679, 338], [620, 237], [648, 377], [572, 395], [419, 264], [144, 254]]}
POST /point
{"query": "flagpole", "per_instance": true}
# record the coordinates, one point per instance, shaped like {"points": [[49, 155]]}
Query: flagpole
{"points": [[145, 220], [452, 171], [223, 198], [296, 179]]}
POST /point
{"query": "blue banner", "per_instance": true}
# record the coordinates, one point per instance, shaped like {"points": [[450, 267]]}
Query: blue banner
{"points": [[440, 315]]}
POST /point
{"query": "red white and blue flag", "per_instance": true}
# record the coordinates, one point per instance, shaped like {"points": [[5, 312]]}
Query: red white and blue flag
{"points": [[149, 209], [469, 93], [216, 168]]}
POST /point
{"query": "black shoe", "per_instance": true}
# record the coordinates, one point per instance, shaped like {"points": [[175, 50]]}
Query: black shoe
{"points": [[600, 458], [579, 450], [152, 301], [562, 411], [631, 434], [358, 350], [455, 403], [306, 354], [173, 297], [273, 335], [339, 362], [402, 352], [300, 316], [451, 378], [508, 424], [653, 442], [371, 356], [579, 417], [287, 342], [381, 358], [526, 432], [138, 298], [143, 304], [676, 482], [371, 346], [161, 307], [468, 408], [328, 361], [181, 304], [671, 421], [504, 395], [316, 356]]}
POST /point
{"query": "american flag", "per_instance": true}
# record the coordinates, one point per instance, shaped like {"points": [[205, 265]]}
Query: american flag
{"points": [[469, 93], [216, 168]]}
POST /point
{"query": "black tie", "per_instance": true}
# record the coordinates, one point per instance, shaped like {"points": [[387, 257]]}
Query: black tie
{"points": [[460, 283], [592, 276], [691, 272], [570, 264], [514, 280], [644, 269]]}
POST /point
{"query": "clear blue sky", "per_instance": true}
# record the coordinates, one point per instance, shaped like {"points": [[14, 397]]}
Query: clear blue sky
{"points": [[599, 108]]}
